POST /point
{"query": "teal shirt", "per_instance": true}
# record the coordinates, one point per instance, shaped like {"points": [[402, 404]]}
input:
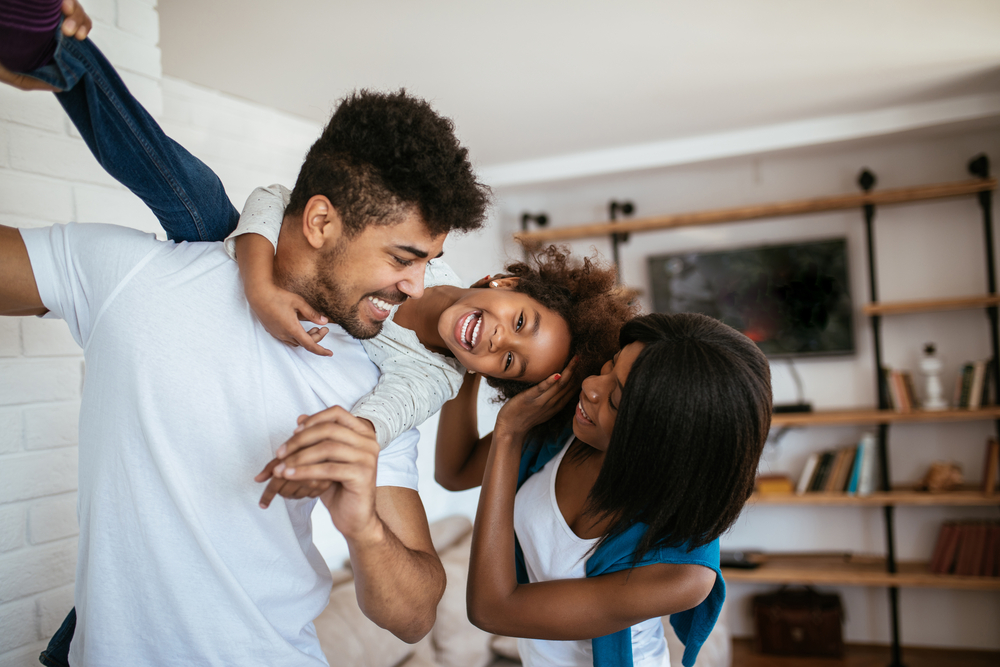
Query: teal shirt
{"points": [[692, 626]]}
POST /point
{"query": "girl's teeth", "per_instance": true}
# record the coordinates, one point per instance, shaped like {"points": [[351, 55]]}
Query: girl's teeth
{"points": [[465, 329], [475, 332]]}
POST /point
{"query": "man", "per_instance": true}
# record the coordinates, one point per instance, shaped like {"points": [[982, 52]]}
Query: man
{"points": [[187, 397]]}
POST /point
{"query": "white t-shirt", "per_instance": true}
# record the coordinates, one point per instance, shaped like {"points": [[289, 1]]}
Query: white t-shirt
{"points": [[553, 551], [415, 381], [186, 398]]}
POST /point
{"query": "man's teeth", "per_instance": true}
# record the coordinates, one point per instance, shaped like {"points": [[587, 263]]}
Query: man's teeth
{"points": [[380, 304]]}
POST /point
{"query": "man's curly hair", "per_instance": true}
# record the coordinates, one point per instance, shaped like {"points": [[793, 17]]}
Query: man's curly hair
{"points": [[384, 153], [586, 295]]}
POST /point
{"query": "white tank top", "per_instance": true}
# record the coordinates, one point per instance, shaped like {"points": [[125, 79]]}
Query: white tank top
{"points": [[553, 551]]}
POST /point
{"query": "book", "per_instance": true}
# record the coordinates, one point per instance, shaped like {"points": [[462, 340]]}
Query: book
{"points": [[989, 396], [976, 384], [852, 480], [964, 555], [991, 468], [989, 551], [822, 471], [911, 391], [965, 384], [895, 390], [866, 476], [950, 552], [944, 548], [807, 473], [773, 484], [885, 388], [842, 468]]}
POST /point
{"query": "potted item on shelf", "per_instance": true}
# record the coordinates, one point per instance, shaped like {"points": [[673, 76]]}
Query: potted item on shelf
{"points": [[930, 366], [942, 476]]}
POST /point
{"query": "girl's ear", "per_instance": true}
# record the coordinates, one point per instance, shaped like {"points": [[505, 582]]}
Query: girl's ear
{"points": [[507, 282]]}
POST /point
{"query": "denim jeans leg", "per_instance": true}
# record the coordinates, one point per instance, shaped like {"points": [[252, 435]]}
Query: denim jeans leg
{"points": [[183, 192], [56, 654]]}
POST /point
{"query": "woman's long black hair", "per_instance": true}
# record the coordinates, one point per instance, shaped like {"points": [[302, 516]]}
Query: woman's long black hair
{"points": [[692, 422]]}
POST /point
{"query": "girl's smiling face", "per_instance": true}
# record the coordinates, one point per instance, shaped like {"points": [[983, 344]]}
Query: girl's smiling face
{"points": [[505, 334], [600, 397]]}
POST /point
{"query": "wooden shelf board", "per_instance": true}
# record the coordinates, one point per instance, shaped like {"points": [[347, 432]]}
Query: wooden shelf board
{"points": [[931, 305], [843, 570], [869, 416], [962, 498], [761, 211]]}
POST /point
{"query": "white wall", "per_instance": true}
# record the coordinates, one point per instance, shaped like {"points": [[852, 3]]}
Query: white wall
{"points": [[47, 175], [924, 250]]}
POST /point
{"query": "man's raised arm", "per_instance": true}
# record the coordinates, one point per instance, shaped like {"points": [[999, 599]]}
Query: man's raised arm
{"points": [[398, 576], [18, 291]]}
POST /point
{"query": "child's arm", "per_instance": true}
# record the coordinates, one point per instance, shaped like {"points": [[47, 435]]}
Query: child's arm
{"points": [[460, 454], [569, 609], [252, 246], [413, 385]]}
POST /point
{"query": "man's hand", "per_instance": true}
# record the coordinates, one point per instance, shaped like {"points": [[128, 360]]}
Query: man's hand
{"points": [[335, 447]]}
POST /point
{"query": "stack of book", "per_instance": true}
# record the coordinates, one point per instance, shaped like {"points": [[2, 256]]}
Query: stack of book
{"points": [[975, 387], [969, 548], [899, 389], [849, 470]]}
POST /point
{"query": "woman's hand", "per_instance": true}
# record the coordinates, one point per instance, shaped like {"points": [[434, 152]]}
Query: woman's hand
{"points": [[281, 312], [537, 404]]}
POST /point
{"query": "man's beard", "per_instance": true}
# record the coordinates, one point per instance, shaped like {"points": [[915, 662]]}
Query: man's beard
{"points": [[329, 298]]}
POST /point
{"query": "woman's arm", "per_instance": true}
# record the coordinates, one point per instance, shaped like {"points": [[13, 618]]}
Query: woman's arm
{"points": [[460, 454], [564, 609]]}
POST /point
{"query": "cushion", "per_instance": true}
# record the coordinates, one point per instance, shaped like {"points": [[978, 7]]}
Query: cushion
{"points": [[505, 647], [457, 642], [349, 638]]}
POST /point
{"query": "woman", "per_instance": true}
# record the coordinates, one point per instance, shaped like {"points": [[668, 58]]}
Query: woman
{"points": [[615, 521]]}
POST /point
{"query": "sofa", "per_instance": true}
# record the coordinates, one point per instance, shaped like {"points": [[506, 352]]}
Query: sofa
{"points": [[349, 638]]}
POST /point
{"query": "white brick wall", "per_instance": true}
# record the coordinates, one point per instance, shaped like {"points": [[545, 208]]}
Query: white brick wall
{"points": [[47, 175]]}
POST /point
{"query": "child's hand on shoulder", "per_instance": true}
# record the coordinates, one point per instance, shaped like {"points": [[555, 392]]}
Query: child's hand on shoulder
{"points": [[281, 312]]}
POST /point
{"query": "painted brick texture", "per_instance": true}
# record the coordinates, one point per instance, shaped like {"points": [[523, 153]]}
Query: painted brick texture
{"points": [[47, 176]]}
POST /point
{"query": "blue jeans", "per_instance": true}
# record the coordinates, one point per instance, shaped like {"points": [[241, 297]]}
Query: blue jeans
{"points": [[185, 195]]}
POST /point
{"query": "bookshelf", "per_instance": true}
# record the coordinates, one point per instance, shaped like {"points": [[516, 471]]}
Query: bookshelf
{"points": [[852, 570], [883, 570], [870, 416], [895, 498]]}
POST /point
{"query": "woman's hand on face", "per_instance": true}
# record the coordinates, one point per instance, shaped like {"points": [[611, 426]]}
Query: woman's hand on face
{"points": [[538, 404], [280, 312]]}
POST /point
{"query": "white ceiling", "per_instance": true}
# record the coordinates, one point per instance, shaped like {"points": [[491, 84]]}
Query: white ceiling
{"points": [[530, 79]]}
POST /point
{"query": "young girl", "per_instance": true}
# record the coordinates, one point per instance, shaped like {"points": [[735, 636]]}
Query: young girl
{"points": [[615, 521]]}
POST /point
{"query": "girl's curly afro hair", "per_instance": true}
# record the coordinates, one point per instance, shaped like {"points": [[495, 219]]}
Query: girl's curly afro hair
{"points": [[586, 295]]}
